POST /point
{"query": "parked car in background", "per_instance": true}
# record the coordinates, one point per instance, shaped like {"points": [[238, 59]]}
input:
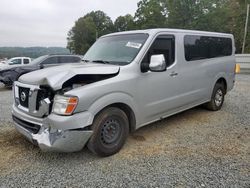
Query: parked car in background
{"points": [[130, 79], [3, 61], [15, 61], [9, 74], [19, 61]]}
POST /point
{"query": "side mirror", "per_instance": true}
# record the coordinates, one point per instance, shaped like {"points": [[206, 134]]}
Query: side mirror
{"points": [[41, 66], [157, 63]]}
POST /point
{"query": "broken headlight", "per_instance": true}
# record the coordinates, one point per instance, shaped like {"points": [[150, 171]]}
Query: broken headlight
{"points": [[64, 105]]}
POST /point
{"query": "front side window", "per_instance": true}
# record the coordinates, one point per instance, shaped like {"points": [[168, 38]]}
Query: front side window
{"points": [[69, 59], [120, 49], [205, 47], [163, 44], [38, 60], [15, 62]]}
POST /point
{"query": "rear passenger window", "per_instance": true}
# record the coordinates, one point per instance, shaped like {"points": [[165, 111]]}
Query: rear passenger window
{"points": [[204, 47], [163, 44], [26, 61]]}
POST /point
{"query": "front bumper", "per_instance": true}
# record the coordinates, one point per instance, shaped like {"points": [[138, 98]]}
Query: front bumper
{"points": [[3, 79], [6, 80], [54, 133]]}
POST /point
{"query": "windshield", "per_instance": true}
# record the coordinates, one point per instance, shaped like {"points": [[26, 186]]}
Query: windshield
{"points": [[120, 49], [39, 59]]}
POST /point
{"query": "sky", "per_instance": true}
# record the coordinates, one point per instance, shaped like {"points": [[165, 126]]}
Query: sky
{"points": [[46, 23]]}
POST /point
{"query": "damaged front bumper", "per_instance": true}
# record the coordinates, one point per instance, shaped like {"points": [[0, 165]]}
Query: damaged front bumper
{"points": [[54, 133], [6, 80]]}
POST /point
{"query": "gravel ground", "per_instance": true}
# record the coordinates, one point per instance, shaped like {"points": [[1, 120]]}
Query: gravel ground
{"points": [[196, 148]]}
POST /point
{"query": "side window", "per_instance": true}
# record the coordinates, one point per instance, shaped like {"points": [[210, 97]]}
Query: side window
{"points": [[26, 61], [16, 62], [163, 44], [205, 47], [50, 60]]}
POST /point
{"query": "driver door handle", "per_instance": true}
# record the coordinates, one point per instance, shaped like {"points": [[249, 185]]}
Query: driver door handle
{"points": [[173, 74]]}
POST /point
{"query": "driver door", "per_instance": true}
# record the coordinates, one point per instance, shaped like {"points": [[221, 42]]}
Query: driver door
{"points": [[159, 91]]}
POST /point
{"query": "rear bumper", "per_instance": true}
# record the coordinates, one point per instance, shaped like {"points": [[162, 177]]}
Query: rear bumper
{"points": [[47, 133]]}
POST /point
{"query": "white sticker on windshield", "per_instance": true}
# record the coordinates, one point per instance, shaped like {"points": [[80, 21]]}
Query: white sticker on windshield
{"points": [[133, 45]]}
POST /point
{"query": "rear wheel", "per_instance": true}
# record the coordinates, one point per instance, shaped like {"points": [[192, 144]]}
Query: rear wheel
{"points": [[110, 130], [217, 99]]}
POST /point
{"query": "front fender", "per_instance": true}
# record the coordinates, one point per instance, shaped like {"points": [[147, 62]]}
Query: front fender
{"points": [[112, 98]]}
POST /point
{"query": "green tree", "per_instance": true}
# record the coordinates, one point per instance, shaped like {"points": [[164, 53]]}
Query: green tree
{"points": [[151, 14], [210, 15], [238, 10], [103, 23], [86, 29], [82, 35], [124, 23]]}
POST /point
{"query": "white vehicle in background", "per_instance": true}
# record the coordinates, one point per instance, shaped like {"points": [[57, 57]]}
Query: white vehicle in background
{"points": [[3, 61], [15, 62], [19, 61]]}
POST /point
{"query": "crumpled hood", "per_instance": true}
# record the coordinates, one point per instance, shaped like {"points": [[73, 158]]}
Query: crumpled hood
{"points": [[56, 76]]}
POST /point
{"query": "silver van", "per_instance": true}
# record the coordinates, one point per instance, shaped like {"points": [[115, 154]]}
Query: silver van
{"points": [[126, 80]]}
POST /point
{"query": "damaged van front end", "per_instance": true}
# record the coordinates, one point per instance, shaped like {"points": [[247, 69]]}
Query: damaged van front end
{"points": [[50, 135], [47, 115]]}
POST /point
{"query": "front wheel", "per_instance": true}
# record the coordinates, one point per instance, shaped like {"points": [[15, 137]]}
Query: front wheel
{"points": [[110, 130], [217, 99]]}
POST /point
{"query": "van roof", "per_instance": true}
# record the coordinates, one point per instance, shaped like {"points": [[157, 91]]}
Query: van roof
{"points": [[155, 31]]}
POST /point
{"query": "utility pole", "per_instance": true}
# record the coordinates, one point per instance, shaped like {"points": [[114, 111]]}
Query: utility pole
{"points": [[96, 35], [246, 26]]}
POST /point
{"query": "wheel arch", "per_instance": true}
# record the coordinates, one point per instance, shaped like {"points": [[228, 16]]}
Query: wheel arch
{"points": [[118, 100], [223, 81], [129, 112], [222, 78]]}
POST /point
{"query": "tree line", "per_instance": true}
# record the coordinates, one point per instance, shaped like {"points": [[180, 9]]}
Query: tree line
{"points": [[226, 16], [33, 52]]}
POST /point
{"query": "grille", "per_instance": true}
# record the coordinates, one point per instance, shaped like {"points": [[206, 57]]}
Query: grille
{"points": [[42, 94], [27, 125], [24, 96]]}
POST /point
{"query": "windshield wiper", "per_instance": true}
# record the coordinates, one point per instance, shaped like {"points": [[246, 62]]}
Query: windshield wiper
{"points": [[101, 61]]}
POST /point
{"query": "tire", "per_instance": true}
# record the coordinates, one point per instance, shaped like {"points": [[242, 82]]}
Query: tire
{"points": [[110, 130], [217, 98]]}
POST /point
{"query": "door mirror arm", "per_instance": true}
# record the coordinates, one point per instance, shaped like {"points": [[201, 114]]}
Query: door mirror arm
{"points": [[41, 66], [144, 67]]}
